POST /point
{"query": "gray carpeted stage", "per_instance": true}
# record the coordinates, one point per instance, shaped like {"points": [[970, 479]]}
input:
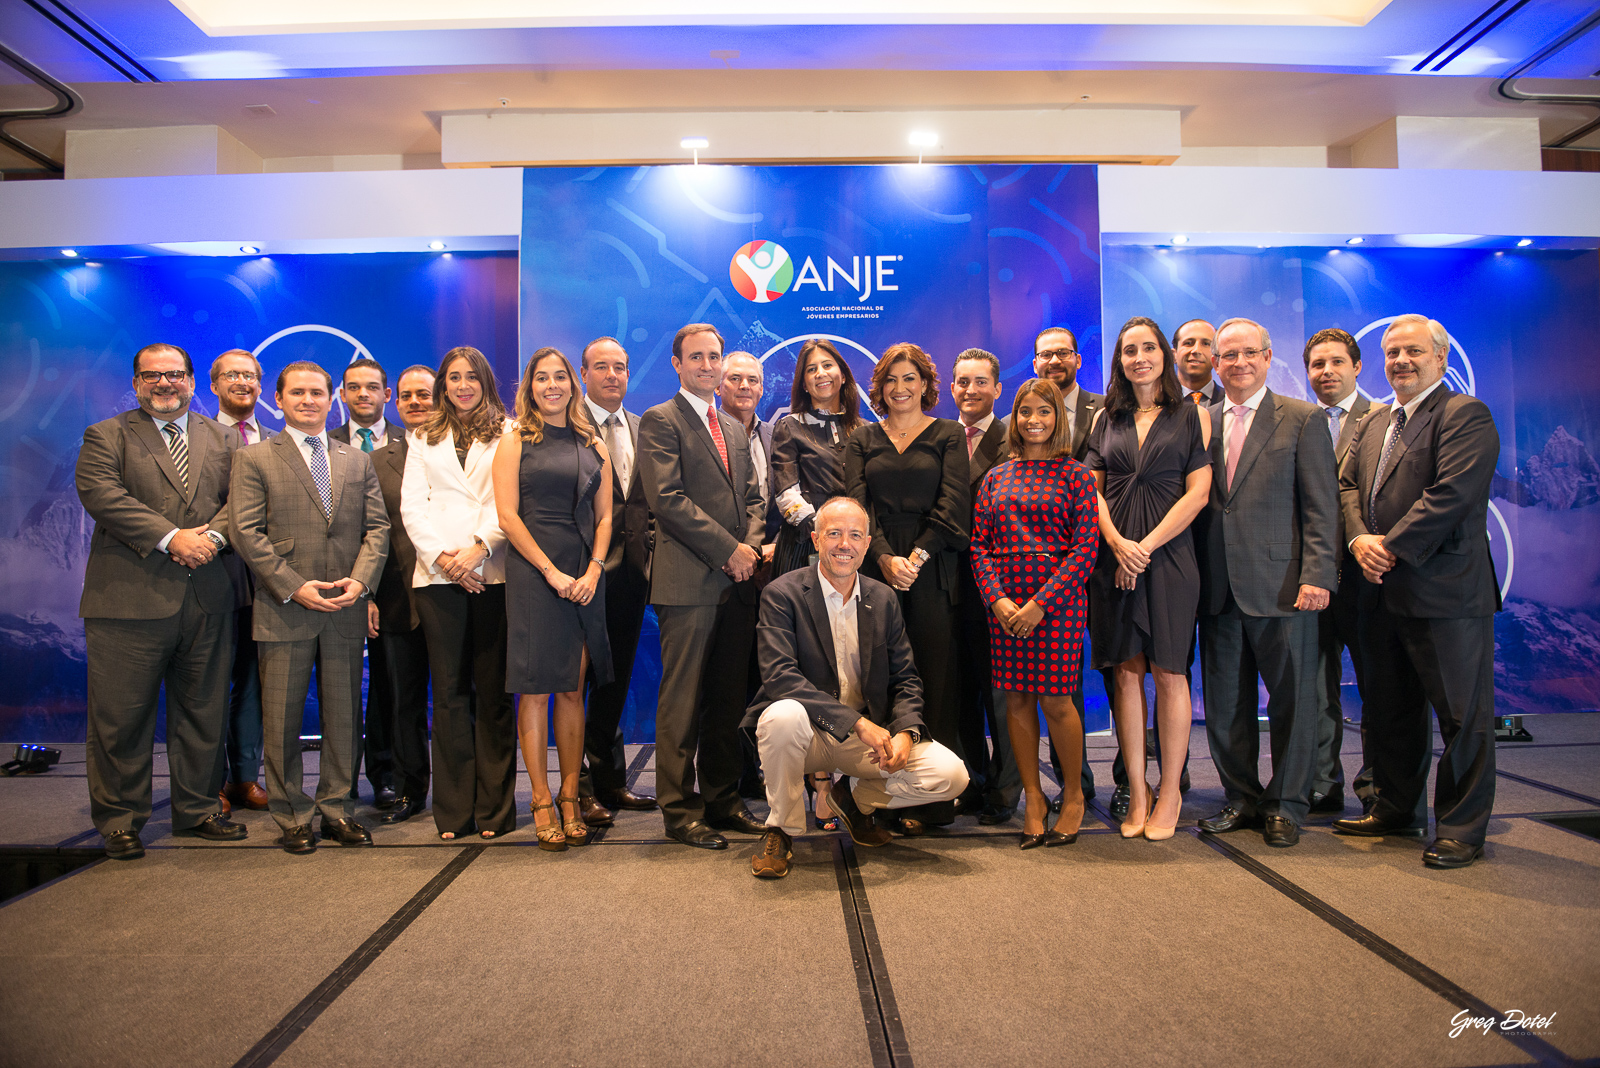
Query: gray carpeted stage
{"points": [[954, 949]]}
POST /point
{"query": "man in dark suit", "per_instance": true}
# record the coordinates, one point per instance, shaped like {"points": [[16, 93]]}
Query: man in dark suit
{"points": [[1193, 346], [1415, 494], [1333, 363], [308, 518], [157, 605], [993, 783], [1267, 565], [365, 392], [397, 653], [702, 489], [840, 692], [236, 381], [603, 783]]}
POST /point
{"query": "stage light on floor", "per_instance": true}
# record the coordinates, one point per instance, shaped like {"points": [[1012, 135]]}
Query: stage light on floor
{"points": [[31, 760], [1510, 729], [437, 246], [695, 144], [1355, 241]]}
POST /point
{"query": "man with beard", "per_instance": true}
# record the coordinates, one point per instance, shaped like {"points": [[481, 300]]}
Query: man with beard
{"points": [[157, 605], [1193, 345], [236, 381]]}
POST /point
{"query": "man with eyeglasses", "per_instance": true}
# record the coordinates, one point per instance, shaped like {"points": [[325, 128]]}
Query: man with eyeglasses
{"points": [[1415, 494], [1193, 346], [157, 606], [1056, 357], [236, 381], [1265, 544]]}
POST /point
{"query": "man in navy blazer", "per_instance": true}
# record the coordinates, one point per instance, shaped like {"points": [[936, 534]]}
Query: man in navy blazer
{"points": [[1415, 494], [840, 692]]}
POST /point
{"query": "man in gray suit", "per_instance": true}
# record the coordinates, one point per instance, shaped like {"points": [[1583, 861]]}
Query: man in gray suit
{"points": [[603, 783], [701, 488], [1266, 567], [1333, 363], [1415, 492], [309, 519], [157, 604]]}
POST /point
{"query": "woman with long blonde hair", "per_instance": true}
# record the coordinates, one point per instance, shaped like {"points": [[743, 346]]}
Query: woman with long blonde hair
{"points": [[548, 474], [447, 504]]}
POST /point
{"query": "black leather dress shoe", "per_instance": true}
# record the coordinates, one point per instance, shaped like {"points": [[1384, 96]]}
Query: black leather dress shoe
{"points": [[740, 821], [1120, 802], [699, 835], [213, 829], [385, 798], [626, 799], [1230, 819], [1183, 782], [993, 814], [1373, 827], [404, 808], [298, 840], [1449, 853], [346, 832], [1281, 833], [1328, 804], [124, 845], [594, 813]]}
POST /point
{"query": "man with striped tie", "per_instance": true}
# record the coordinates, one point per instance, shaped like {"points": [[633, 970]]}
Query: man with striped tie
{"points": [[236, 381], [308, 517], [157, 605]]}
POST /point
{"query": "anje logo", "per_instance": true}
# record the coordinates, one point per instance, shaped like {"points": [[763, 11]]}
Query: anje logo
{"points": [[761, 271]]}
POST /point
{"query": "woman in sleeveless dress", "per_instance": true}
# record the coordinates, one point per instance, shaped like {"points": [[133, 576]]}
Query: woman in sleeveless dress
{"points": [[547, 475], [1148, 453]]}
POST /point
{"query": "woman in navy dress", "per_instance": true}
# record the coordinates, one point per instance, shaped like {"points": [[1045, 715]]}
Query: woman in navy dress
{"points": [[547, 473], [1034, 538], [1148, 453]]}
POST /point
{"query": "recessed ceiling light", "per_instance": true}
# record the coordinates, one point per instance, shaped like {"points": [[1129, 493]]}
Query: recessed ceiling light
{"points": [[694, 142], [1355, 241], [437, 246], [1180, 239], [923, 138], [249, 250], [70, 253], [1333, 252], [1525, 242]]}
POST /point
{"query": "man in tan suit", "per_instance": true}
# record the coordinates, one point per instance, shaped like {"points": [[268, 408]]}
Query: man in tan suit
{"points": [[157, 605], [309, 519]]}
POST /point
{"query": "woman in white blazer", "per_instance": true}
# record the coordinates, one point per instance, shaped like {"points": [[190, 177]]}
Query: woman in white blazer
{"points": [[447, 504]]}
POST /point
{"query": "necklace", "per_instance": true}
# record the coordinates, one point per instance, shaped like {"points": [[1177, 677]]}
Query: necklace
{"points": [[899, 434], [1152, 408]]}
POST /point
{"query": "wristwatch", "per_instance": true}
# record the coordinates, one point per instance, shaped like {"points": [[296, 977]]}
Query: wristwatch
{"points": [[217, 539]]}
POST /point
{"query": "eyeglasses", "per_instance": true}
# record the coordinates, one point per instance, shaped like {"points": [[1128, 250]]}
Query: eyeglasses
{"points": [[150, 378], [239, 376], [1051, 355], [1239, 354]]}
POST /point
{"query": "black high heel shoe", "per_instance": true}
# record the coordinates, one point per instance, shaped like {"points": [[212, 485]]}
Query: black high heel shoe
{"points": [[1034, 841]]}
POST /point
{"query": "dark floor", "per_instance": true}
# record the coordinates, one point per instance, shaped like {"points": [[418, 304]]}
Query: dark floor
{"points": [[954, 949]]}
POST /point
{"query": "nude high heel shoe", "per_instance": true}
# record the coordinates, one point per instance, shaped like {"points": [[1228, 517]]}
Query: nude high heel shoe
{"points": [[1136, 830]]}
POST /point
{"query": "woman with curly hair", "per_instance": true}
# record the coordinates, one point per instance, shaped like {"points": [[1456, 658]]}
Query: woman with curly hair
{"points": [[447, 504], [910, 473], [547, 476]]}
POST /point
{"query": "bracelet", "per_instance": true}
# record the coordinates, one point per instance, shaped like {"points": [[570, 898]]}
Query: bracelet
{"points": [[598, 560]]}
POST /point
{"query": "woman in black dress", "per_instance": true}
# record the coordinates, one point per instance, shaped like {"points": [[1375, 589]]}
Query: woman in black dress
{"points": [[1148, 453], [910, 473], [547, 473], [807, 469]]}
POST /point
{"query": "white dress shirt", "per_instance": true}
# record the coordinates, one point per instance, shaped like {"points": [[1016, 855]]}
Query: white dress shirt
{"points": [[846, 639], [701, 407], [1410, 408], [622, 455], [1251, 402], [299, 439], [256, 433], [1344, 404]]}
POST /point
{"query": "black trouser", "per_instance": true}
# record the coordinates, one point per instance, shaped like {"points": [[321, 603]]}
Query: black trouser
{"points": [[605, 762], [728, 688], [397, 712], [1338, 629], [993, 777], [474, 719], [243, 737], [1410, 664], [1281, 651]]}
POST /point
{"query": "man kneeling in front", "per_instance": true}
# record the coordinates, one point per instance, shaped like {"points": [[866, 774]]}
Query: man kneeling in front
{"points": [[840, 693]]}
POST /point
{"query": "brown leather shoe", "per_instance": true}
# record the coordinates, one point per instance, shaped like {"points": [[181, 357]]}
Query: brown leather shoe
{"points": [[246, 795], [627, 799], [772, 859], [594, 813], [864, 831], [227, 809]]}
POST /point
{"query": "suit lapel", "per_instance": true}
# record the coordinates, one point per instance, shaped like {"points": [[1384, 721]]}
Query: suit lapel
{"points": [[339, 461], [289, 453], [1261, 428], [632, 422], [819, 619], [1414, 428], [1347, 428], [394, 454], [703, 431], [1087, 404], [144, 428]]}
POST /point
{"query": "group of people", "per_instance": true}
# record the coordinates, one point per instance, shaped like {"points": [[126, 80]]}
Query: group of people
{"points": [[893, 601]]}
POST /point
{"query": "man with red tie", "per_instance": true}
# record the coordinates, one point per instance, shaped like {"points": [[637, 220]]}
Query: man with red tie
{"points": [[702, 488], [236, 381]]}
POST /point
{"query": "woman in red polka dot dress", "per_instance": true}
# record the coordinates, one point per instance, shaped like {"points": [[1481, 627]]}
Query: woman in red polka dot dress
{"points": [[1035, 533]]}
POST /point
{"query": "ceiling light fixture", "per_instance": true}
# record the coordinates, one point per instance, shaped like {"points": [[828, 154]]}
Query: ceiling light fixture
{"points": [[1355, 241], [249, 250], [1525, 242], [70, 253], [437, 246], [695, 143], [922, 139], [1180, 239]]}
